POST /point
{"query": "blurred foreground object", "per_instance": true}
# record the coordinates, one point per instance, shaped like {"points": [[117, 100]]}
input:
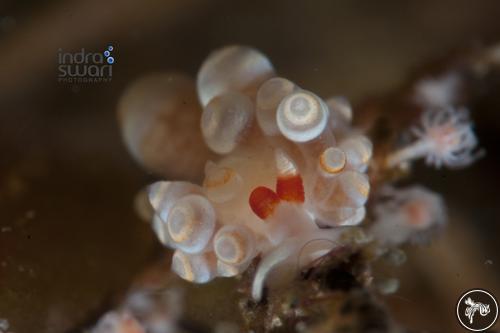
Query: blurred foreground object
{"points": [[144, 311], [159, 117]]}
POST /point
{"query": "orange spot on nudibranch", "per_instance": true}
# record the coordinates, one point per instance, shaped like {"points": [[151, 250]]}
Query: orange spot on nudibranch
{"points": [[222, 178], [290, 188], [263, 201]]}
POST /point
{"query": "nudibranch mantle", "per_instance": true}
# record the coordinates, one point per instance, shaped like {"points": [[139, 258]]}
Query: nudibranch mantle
{"points": [[291, 171]]}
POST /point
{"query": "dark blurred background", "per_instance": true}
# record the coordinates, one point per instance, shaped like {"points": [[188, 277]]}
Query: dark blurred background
{"points": [[70, 240]]}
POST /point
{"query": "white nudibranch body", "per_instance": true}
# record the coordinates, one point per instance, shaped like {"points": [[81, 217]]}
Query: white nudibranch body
{"points": [[290, 178]]}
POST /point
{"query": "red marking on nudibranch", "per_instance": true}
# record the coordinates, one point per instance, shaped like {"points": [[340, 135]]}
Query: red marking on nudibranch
{"points": [[263, 201], [290, 188]]}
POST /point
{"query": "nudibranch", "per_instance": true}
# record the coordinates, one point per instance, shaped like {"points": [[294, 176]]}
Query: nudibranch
{"points": [[289, 170]]}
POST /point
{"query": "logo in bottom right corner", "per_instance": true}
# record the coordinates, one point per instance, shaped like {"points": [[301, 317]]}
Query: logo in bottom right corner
{"points": [[477, 310]]}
